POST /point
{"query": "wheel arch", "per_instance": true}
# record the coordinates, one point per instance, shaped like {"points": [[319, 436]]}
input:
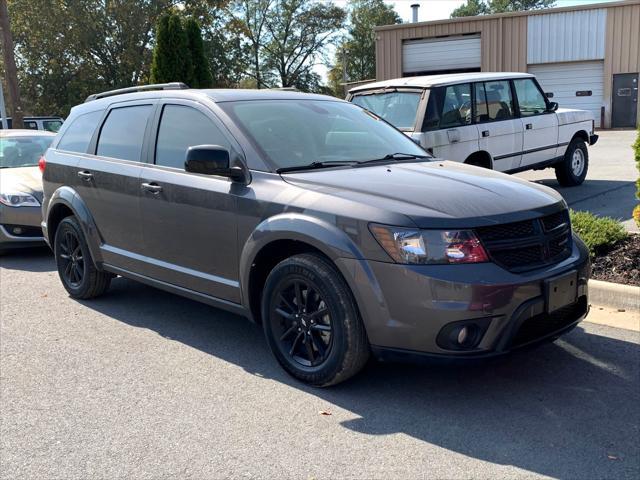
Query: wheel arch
{"points": [[281, 237], [581, 134], [481, 158], [65, 202]]}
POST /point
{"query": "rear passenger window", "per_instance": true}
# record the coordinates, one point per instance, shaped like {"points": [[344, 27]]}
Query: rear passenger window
{"points": [[493, 101], [449, 107], [183, 127], [78, 136], [122, 134]]}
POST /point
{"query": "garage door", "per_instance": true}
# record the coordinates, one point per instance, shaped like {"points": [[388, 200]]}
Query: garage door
{"points": [[441, 54], [573, 85]]}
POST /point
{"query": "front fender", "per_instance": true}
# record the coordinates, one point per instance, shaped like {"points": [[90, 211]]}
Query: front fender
{"points": [[69, 198]]}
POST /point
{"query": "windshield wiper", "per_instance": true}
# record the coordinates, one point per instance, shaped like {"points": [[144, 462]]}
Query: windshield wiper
{"points": [[394, 156], [314, 165]]}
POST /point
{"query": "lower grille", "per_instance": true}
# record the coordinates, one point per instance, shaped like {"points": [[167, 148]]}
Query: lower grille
{"points": [[528, 244], [23, 230], [540, 326]]}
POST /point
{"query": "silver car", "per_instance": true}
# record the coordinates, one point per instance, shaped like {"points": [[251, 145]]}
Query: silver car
{"points": [[21, 187]]}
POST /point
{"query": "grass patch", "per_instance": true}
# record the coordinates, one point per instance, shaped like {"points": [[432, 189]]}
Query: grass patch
{"points": [[599, 233]]}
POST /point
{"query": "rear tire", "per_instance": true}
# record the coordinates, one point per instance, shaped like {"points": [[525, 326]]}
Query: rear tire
{"points": [[76, 267], [311, 321], [573, 169]]}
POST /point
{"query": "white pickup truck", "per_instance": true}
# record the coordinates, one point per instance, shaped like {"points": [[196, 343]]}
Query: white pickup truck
{"points": [[501, 121]]}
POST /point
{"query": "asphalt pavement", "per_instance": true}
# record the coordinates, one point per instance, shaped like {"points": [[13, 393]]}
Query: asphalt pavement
{"points": [[144, 384], [609, 189]]}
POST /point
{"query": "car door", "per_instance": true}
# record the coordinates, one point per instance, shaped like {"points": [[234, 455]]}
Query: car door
{"points": [[189, 220], [500, 129], [540, 126], [108, 180], [449, 132]]}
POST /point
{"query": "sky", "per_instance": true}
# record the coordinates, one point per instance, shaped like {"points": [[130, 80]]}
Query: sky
{"points": [[436, 10]]}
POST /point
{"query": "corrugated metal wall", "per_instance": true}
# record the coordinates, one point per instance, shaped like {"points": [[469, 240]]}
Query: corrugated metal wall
{"points": [[566, 37]]}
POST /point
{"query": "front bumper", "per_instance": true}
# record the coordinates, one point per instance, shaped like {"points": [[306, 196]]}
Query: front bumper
{"points": [[593, 139], [406, 307], [25, 218]]}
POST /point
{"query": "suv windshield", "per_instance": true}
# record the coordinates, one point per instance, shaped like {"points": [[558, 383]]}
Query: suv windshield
{"points": [[292, 133], [397, 108], [22, 151]]}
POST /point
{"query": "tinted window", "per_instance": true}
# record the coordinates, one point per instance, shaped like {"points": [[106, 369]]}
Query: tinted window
{"points": [[530, 99], [78, 136], [122, 134], [397, 108], [493, 101], [181, 128], [299, 132], [31, 125], [22, 151], [52, 125]]}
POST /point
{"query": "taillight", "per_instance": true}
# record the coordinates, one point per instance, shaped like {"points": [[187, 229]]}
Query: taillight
{"points": [[42, 163]]}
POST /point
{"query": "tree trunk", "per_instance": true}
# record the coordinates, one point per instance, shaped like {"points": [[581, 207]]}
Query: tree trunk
{"points": [[10, 67]]}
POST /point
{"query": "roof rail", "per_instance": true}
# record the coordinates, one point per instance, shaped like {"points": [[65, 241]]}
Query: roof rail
{"points": [[140, 88]]}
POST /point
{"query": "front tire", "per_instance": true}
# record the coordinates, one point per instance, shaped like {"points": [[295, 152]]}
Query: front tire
{"points": [[573, 169], [76, 267], [311, 321]]}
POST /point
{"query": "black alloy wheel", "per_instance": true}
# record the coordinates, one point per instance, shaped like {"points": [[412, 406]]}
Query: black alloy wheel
{"points": [[71, 260]]}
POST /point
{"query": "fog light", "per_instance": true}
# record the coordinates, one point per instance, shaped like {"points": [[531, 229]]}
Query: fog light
{"points": [[17, 230], [463, 334]]}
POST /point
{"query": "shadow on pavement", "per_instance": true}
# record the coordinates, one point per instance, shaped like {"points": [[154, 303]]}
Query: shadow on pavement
{"points": [[566, 410], [38, 259]]}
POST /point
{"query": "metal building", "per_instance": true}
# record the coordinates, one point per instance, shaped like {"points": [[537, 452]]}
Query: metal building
{"points": [[585, 56]]}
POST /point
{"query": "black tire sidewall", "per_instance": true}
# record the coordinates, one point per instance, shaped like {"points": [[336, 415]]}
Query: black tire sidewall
{"points": [[341, 310], [70, 223], [569, 178]]}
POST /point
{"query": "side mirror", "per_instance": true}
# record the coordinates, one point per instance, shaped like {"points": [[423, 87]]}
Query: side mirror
{"points": [[211, 160], [553, 106]]}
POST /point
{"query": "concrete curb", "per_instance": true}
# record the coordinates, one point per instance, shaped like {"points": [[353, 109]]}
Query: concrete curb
{"points": [[614, 295]]}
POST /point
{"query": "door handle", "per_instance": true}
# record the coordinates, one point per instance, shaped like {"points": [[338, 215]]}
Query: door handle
{"points": [[485, 133], [86, 176], [529, 126], [152, 187]]}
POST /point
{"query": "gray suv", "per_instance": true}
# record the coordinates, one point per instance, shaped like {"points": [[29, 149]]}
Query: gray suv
{"points": [[315, 219]]}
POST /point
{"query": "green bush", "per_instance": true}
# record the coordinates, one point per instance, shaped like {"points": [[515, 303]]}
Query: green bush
{"points": [[599, 233]]}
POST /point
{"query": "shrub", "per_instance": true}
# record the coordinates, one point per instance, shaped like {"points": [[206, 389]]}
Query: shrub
{"points": [[599, 233]]}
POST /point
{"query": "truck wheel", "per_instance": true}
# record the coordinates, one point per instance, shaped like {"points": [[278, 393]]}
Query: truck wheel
{"points": [[311, 321], [573, 169], [75, 265]]}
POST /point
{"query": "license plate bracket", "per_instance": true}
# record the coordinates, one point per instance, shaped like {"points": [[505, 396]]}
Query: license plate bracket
{"points": [[561, 291]]}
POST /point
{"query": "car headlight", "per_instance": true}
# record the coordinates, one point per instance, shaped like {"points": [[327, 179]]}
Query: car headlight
{"points": [[439, 247], [18, 199]]}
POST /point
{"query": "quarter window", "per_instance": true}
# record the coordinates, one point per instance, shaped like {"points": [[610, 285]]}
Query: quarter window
{"points": [[183, 127], [530, 98], [78, 136], [122, 134], [493, 101]]}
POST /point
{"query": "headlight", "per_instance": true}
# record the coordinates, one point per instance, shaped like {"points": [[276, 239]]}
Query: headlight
{"points": [[440, 247], [18, 199]]}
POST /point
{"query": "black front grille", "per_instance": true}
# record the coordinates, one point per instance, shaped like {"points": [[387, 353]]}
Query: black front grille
{"points": [[545, 324], [528, 244], [23, 230]]}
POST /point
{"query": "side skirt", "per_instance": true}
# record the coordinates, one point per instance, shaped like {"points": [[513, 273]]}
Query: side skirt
{"points": [[183, 292], [537, 166]]}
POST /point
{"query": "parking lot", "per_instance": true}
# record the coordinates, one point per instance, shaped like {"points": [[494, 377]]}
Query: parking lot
{"points": [[143, 384], [610, 184]]}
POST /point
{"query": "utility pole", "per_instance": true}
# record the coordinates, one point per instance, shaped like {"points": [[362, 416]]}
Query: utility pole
{"points": [[10, 69]]}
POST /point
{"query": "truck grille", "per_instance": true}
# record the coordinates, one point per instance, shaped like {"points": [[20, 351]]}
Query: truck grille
{"points": [[529, 244]]}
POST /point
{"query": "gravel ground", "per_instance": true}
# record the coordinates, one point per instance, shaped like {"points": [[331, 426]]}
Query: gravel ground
{"points": [[143, 384]]}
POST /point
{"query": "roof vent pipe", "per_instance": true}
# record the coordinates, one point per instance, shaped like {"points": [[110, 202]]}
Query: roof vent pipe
{"points": [[414, 9]]}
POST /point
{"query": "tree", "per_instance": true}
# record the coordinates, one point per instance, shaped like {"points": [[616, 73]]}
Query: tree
{"points": [[252, 18], [484, 7], [298, 32], [171, 57], [201, 77], [358, 48], [10, 69]]}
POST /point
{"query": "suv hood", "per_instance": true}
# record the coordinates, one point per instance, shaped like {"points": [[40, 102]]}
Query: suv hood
{"points": [[22, 179], [437, 194]]}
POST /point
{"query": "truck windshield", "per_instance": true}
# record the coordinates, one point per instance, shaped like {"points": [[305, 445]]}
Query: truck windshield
{"points": [[292, 133], [397, 108]]}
